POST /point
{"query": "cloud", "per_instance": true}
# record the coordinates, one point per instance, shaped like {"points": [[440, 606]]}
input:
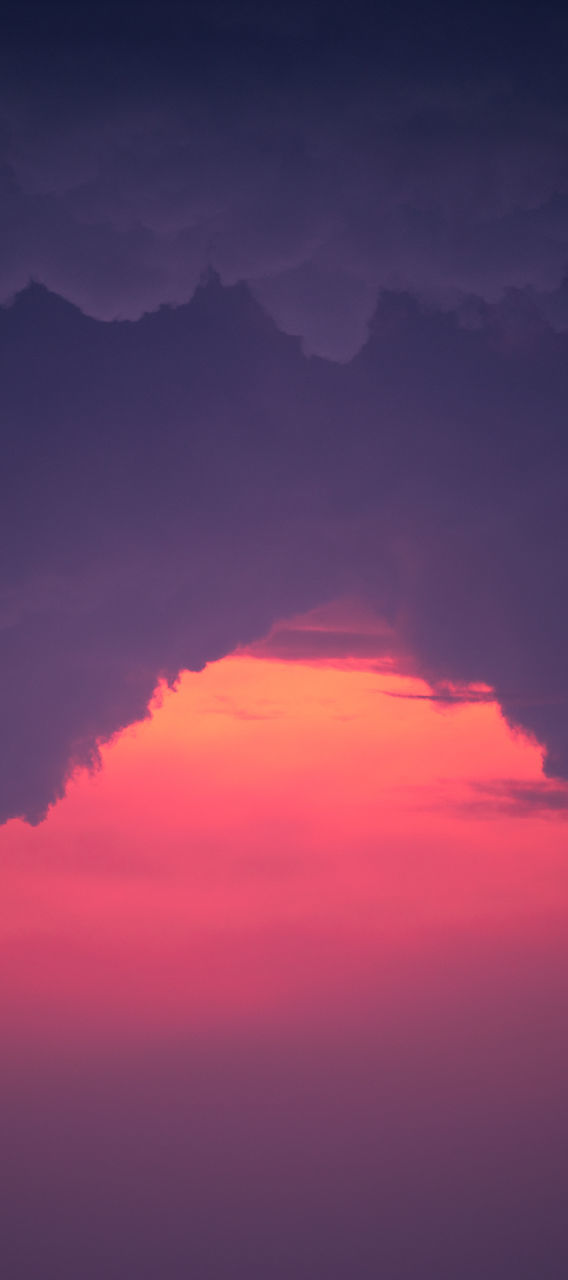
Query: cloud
{"points": [[446, 699], [145, 524], [317, 190], [519, 799], [172, 487], [333, 634]]}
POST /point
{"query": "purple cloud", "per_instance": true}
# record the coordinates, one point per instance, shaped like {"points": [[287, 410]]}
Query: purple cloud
{"points": [[175, 485], [326, 195], [519, 799]]}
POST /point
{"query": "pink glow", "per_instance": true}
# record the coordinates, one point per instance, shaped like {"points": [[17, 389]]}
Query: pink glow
{"points": [[278, 841]]}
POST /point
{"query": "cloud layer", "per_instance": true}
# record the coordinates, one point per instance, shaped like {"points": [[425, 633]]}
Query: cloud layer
{"points": [[175, 485], [319, 173], [387, 191]]}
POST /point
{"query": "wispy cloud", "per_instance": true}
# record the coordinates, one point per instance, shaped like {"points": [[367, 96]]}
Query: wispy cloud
{"points": [[518, 799], [465, 696], [223, 705]]}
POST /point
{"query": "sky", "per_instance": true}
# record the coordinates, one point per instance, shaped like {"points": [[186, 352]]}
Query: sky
{"points": [[283, 637]]}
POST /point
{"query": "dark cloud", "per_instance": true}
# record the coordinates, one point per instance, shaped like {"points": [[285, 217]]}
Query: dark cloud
{"points": [[448, 699], [177, 480], [155, 515], [519, 799], [335, 633], [318, 175], [305, 645], [173, 486]]}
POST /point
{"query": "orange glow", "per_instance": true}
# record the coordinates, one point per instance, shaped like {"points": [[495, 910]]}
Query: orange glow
{"points": [[261, 840]]}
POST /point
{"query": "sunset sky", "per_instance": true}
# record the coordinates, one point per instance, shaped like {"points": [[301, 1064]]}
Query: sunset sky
{"points": [[283, 641]]}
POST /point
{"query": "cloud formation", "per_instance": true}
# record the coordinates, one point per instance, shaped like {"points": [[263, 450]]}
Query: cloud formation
{"points": [[519, 799], [319, 182], [175, 485], [385, 190]]}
